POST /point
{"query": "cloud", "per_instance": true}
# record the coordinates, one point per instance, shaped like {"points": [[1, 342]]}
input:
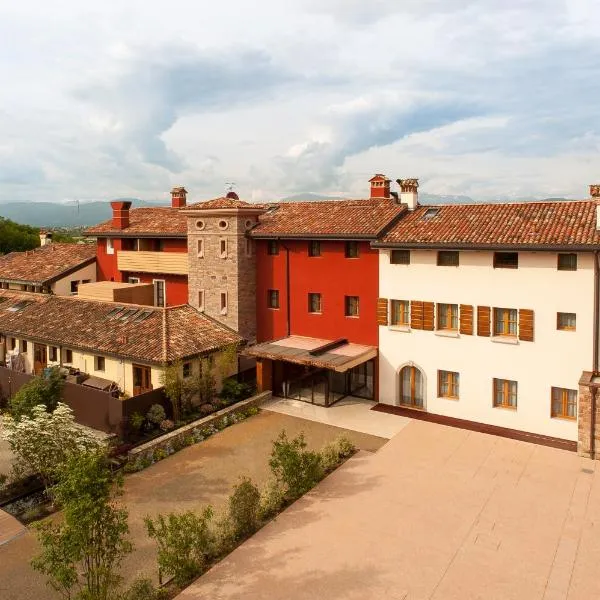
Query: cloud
{"points": [[154, 88]]}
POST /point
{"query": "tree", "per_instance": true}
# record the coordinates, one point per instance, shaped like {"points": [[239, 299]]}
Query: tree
{"points": [[81, 555], [44, 442], [45, 390], [171, 379], [17, 238]]}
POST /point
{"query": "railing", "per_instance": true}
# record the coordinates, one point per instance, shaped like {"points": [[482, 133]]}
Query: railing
{"points": [[172, 263]]}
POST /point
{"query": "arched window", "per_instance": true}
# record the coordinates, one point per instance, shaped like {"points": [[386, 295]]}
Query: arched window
{"points": [[411, 387]]}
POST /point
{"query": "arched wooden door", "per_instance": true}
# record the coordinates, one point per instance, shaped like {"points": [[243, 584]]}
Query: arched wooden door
{"points": [[411, 387]]}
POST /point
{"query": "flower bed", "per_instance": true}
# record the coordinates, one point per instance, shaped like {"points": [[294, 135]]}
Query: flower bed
{"points": [[147, 454]]}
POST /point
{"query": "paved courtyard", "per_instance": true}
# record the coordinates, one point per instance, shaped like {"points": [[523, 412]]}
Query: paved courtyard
{"points": [[438, 513]]}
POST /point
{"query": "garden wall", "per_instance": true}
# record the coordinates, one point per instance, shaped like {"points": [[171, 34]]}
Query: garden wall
{"points": [[177, 437]]}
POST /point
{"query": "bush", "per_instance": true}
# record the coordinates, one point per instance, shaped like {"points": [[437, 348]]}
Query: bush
{"points": [[185, 543], [156, 414], [159, 454], [251, 411], [143, 589], [271, 500], [206, 409], [244, 507], [295, 468], [167, 425], [40, 390], [232, 391], [136, 421]]}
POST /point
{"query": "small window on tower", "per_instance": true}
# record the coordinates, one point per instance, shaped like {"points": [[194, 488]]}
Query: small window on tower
{"points": [[201, 300], [223, 249], [200, 248], [223, 303]]}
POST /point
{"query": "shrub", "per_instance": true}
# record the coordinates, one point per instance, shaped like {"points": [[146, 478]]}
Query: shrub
{"points": [[206, 409], [159, 454], [143, 589], [156, 414], [40, 390], [271, 500], [136, 420], [251, 411], [185, 543], [167, 425], [294, 467], [244, 505]]}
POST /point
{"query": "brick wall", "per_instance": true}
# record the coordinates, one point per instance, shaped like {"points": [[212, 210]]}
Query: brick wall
{"points": [[588, 443]]}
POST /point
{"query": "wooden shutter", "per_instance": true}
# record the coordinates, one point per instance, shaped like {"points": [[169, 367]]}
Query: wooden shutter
{"points": [[416, 314], [483, 321], [382, 311], [466, 319], [526, 325], [428, 316]]}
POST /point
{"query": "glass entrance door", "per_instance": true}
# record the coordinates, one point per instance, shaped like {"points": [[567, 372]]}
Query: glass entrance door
{"points": [[411, 387]]}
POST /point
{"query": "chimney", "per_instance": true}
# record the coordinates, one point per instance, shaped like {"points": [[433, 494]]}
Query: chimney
{"points": [[45, 237], [595, 195], [178, 197], [120, 216], [409, 194], [380, 186]]}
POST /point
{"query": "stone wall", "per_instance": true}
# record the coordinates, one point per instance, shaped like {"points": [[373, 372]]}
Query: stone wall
{"points": [[588, 420], [170, 440]]}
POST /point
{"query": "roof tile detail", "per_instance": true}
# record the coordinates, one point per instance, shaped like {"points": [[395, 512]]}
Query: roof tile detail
{"points": [[162, 220], [46, 263], [551, 223], [343, 218], [167, 334], [222, 202]]}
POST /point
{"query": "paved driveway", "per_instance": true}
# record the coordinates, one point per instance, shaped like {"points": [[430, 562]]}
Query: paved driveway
{"points": [[201, 474], [438, 513]]}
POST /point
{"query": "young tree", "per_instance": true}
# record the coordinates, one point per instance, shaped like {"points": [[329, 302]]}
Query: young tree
{"points": [[82, 554], [40, 390], [43, 442], [171, 379]]}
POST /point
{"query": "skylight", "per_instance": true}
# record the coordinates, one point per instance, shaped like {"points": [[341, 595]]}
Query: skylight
{"points": [[142, 316], [18, 306], [128, 313], [430, 213], [114, 312]]}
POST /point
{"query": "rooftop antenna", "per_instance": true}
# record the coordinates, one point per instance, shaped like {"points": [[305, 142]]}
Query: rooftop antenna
{"points": [[229, 185]]}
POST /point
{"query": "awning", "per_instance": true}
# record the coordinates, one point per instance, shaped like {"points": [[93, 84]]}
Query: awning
{"points": [[99, 383], [301, 350]]}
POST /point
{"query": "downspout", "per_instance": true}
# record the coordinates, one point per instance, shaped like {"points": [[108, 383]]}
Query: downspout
{"points": [[287, 289], [593, 389]]}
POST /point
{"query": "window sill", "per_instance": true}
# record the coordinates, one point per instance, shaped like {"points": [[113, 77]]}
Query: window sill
{"points": [[505, 339], [451, 333], [513, 408], [453, 398], [567, 419], [402, 328], [314, 313], [351, 316]]}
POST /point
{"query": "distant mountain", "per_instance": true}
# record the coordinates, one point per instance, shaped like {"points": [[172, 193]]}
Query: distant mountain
{"points": [[50, 214], [309, 197]]}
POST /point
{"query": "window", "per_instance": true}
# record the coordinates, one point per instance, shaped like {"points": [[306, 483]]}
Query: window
{"points": [[273, 247], [564, 403], [430, 213], [566, 321], [200, 224], [69, 356], [351, 249], [351, 306], [74, 286], [505, 393], [399, 312], [159, 292], [447, 258], [53, 354], [448, 316], [110, 248], [400, 257], [200, 248], [13, 343], [506, 260], [99, 363], [223, 225], [273, 298], [567, 262], [223, 248], [223, 303], [314, 248], [201, 300], [448, 384], [187, 369], [505, 321], [314, 303], [23, 345], [133, 280], [86, 281]]}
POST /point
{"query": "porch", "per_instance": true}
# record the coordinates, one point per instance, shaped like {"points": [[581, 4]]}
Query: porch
{"points": [[314, 370]]}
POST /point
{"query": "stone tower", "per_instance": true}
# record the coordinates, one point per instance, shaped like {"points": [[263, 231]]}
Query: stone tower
{"points": [[222, 261]]}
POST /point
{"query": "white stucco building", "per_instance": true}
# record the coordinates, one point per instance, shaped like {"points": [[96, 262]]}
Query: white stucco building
{"points": [[488, 313]]}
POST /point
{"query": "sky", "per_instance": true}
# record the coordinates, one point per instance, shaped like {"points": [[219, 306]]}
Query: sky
{"points": [[126, 98]]}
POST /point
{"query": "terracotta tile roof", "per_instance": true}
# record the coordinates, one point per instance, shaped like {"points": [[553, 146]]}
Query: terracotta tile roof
{"points": [[159, 221], [551, 223], [165, 334], [332, 218], [46, 263], [222, 202]]}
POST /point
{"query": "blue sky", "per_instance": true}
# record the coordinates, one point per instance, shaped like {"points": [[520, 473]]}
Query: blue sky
{"points": [[482, 98]]}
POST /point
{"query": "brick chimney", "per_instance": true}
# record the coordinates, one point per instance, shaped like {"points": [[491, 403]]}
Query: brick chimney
{"points": [[595, 195], [120, 216], [409, 194], [380, 186], [45, 237], [178, 197]]}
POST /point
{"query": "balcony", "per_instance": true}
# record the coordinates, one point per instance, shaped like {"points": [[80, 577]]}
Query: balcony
{"points": [[172, 263]]}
